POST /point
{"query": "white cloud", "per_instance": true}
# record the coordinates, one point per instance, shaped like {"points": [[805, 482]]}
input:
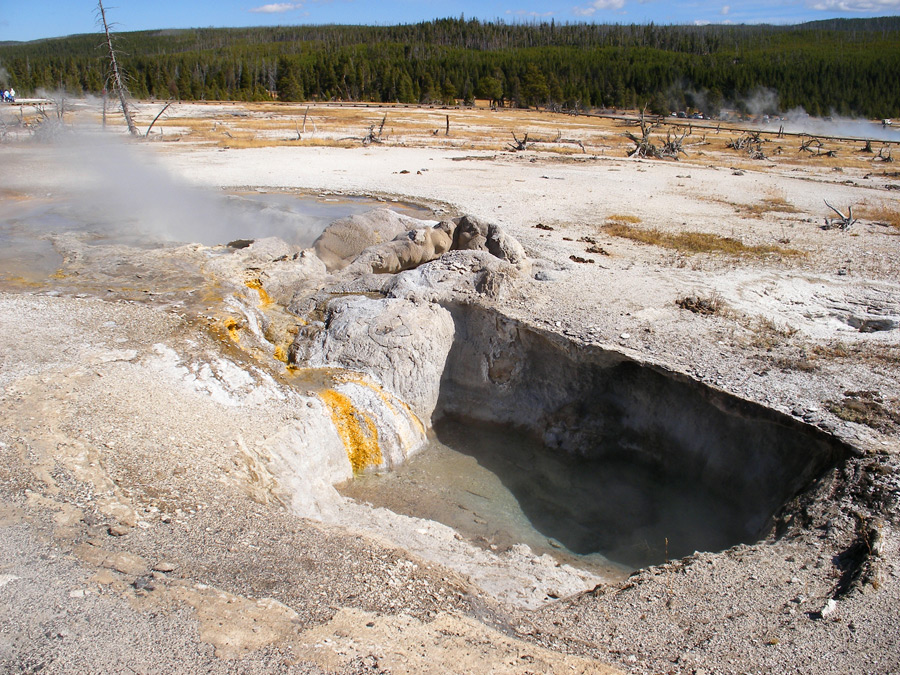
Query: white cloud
{"points": [[598, 5], [277, 7], [855, 5], [725, 10]]}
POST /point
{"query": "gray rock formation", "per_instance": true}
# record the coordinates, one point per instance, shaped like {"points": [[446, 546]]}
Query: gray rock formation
{"points": [[407, 251], [473, 234], [402, 344], [302, 273], [343, 240], [375, 242]]}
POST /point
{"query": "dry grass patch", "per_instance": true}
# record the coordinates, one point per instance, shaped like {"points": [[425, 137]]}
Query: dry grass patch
{"points": [[884, 213], [768, 333], [771, 204], [712, 304], [622, 219], [774, 203], [693, 242], [869, 408]]}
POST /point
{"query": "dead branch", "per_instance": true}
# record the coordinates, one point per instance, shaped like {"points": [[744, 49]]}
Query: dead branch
{"points": [[643, 146], [374, 136], [884, 157], [815, 147], [119, 85], [842, 223], [165, 107], [558, 140], [519, 145], [674, 145], [749, 142]]}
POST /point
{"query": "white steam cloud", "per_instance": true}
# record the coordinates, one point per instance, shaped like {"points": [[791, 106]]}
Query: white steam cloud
{"points": [[126, 197], [762, 105]]}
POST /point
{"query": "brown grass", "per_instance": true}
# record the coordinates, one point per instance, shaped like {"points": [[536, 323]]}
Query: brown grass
{"points": [[712, 304], [480, 128], [883, 212], [869, 408], [776, 204], [694, 242], [623, 219]]}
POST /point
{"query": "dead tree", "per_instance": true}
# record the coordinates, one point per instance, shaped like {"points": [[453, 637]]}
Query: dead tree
{"points": [[558, 140], [867, 147], [519, 145], [375, 136], [674, 145], [749, 142], [842, 223], [815, 147], [643, 146], [300, 132], [118, 83], [881, 156], [165, 107]]}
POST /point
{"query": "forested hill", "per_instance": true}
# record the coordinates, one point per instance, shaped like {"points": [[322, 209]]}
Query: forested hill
{"points": [[835, 66]]}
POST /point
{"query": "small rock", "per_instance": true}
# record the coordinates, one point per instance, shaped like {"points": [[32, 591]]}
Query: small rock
{"points": [[144, 584], [7, 578], [164, 566], [126, 563], [828, 609], [625, 336], [118, 530], [79, 593]]}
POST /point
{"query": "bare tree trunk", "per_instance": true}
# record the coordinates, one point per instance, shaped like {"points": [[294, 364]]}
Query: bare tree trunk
{"points": [[165, 107], [117, 78]]}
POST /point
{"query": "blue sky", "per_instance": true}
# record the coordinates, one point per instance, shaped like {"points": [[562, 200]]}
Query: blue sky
{"points": [[34, 19]]}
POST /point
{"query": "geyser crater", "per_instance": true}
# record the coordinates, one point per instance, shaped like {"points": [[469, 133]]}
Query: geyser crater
{"points": [[601, 453]]}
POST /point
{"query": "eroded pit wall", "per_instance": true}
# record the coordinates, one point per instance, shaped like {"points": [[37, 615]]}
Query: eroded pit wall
{"points": [[602, 405]]}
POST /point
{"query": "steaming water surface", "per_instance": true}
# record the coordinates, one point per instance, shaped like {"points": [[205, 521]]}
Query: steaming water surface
{"points": [[28, 227]]}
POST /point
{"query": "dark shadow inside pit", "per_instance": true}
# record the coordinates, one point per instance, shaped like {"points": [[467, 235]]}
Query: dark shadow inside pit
{"points": [[633, 513], [624, 459]]}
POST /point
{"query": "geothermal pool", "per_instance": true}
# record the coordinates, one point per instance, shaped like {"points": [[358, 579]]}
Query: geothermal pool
{"points": [[29, 226]]}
